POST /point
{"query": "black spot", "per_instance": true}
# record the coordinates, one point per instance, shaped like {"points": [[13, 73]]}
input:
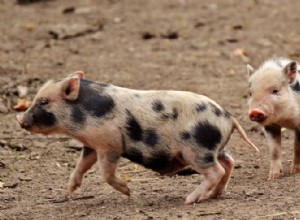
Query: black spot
{"points": [[133, 128], [92, 100], [151, 138], [157, 106], [227, 114], [86, 151], [208, 158], [112, 156], [201, 107], [250, 85], [275, 155], [215, 110], [41, 117], [295, 86], [158, 161], [207, 135], [185, 135], [134, 155], [77, 115], [273, 130], [168, 115], [99, 105], [175, 113]]}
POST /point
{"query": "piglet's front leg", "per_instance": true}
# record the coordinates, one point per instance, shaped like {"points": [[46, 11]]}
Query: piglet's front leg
{"points": [[86, 160], [273, 136], [108, 165], [296, 161]]}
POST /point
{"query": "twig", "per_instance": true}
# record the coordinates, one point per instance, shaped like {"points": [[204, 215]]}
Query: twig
{"points": [[210, 213], [279, 214], [69, 198]]}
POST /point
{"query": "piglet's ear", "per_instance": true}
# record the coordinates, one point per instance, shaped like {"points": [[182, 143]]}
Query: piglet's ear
{"points": [[70, 89], [250, 70], [290, 71], [77, 74]]}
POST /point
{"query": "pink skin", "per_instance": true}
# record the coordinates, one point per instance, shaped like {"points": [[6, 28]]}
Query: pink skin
{"points": [[227, 163], [213, 175], [274, 142], [257, 115], [83, 165], [215, 178], [34, 129], [296, 161], [105, 143], [274, 105]]}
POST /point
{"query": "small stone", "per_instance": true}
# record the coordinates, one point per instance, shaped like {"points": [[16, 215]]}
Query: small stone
{"points": [[26, 179], [10, 185], [22, 91]]}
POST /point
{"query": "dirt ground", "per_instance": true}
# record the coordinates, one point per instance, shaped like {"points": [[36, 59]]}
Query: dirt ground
{"points": [[200, 46]]}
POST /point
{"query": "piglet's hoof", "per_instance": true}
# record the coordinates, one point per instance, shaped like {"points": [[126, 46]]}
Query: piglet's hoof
{"points": [[295, 169], [72, 188], [125, 190]]}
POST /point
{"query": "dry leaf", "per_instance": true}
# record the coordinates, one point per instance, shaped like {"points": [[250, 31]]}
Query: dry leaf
{"points": [[29, 27], [242, 53], [22, 105]]}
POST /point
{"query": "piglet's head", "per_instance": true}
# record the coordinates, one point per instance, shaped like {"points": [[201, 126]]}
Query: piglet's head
{"points": [[270, 91], [48, 110]]}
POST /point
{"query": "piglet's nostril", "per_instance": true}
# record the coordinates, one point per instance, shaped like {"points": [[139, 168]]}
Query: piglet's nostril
{"points": [[257, 115]]}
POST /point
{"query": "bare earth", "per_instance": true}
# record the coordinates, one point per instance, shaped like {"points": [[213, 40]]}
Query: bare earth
{"points": [[141, 44]]}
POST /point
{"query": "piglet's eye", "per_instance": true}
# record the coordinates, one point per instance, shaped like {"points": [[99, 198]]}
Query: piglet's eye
{"points": [[44, 102], [275, 91]]}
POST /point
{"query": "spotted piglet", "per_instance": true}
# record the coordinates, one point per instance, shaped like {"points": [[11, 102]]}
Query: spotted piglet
{"points": [[161, 130], [274, 100]]}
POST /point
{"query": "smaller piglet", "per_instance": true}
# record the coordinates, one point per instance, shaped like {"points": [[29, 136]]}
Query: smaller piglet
{"points": [[161, 130], [274, 102]]}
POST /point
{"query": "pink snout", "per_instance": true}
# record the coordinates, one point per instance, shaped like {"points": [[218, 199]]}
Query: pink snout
{"points": [[20, 119], [257, 115]]}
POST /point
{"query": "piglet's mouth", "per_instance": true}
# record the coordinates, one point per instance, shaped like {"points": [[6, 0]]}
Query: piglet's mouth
{"points": [[23, 124]]}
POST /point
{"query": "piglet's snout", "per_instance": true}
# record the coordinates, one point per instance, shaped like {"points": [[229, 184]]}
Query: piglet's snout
{"points": [[257, 115], [20, 119]]}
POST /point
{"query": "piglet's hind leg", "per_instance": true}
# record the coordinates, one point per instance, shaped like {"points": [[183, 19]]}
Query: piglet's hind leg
{"points": [[212, 176], [227, 163]]}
